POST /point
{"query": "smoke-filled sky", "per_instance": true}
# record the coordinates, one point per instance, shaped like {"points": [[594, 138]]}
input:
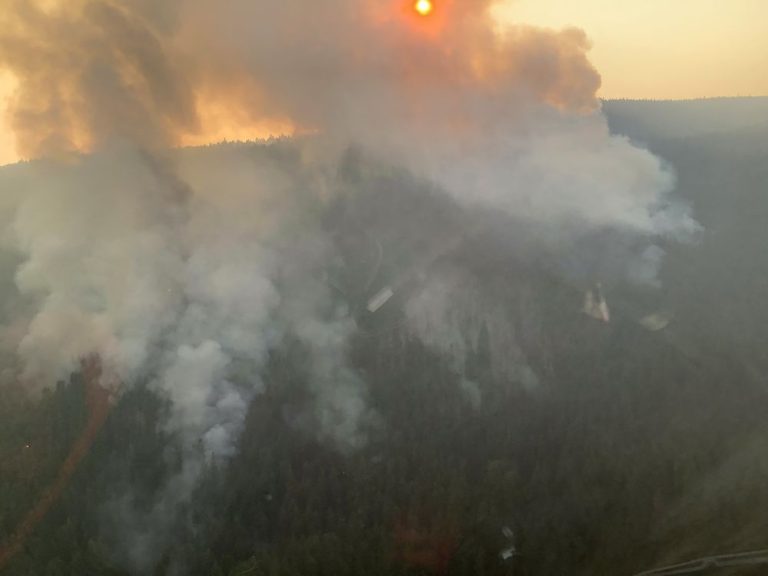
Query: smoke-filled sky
{"points": [[651, 49]]}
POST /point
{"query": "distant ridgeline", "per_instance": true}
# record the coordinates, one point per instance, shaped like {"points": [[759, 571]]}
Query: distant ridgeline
{"points": [[652, 119]]}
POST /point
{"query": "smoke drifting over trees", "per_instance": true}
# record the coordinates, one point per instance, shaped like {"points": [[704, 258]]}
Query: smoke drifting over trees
{"points": [[183, 272]]}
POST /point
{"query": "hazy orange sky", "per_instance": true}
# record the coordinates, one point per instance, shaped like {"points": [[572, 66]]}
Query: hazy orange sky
{"points": [[665, 48], [7, 153], [642, 48]]}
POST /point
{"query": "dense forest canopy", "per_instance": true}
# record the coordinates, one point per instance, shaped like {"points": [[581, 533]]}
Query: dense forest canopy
{"points": [[525, 437]]}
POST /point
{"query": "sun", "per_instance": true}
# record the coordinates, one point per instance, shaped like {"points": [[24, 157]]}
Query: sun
{"points": [[423, 7]]}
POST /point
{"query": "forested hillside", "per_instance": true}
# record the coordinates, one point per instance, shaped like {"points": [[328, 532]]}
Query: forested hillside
{"points": [[542, 441]]}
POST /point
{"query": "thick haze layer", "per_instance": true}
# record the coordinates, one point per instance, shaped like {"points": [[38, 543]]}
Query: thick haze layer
{"points": [[186, 273], [444, 95]]}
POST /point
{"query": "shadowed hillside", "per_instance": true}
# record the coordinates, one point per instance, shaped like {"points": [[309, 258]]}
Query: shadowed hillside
{"points": [[506, 417]]}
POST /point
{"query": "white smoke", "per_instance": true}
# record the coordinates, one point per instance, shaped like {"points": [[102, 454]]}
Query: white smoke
{"points": [[174, 283], [457, 317], [185, 271], [505, 120], [186, 287]]}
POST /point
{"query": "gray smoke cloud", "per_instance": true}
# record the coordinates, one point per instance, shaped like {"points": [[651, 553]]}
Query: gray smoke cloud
{"points": [[184, 288], [454, 312], [184, 270], [505, 120], [92, 72]]}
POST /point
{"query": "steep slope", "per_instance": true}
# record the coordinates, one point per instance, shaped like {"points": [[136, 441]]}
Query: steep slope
{"points": [[603, 448]]}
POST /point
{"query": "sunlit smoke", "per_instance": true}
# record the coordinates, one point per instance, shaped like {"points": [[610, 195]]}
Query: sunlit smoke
{"points": [[184, 271]]}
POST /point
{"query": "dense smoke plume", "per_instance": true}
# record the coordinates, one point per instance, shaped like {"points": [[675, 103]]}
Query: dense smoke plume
{"points": [[505, 119], [184, 271]]}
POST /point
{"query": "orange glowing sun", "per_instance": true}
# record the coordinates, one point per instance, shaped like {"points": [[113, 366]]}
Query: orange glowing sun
{"points": [[423, 7]]}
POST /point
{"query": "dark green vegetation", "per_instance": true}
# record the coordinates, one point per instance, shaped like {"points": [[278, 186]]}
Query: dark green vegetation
{"points": [[636, 448]]}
